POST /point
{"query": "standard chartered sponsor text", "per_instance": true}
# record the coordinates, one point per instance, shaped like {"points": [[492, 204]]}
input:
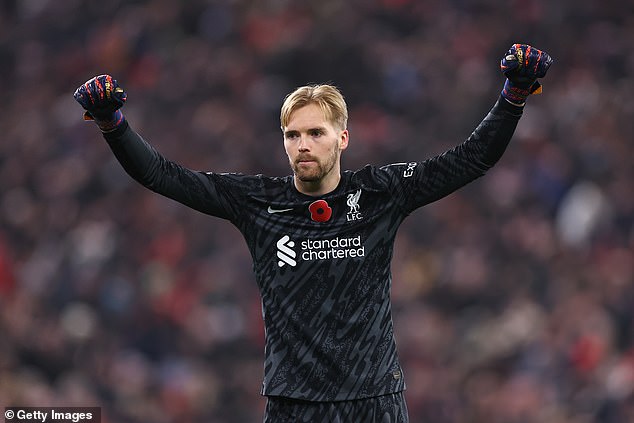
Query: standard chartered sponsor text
{"points": [[336, 248]]}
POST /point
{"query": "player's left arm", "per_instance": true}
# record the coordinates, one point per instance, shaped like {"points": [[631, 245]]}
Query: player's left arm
{"points": [[419, 183]]}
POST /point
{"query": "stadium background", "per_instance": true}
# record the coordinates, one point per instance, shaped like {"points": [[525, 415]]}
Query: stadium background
{"points": [[513, 298]]}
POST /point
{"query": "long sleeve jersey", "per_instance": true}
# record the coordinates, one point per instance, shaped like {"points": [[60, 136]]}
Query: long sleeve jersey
{"points": [[322, 264]]}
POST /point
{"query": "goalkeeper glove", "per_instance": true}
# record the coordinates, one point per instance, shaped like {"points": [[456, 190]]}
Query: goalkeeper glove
{"points": [[102, 99], [522, 65]]}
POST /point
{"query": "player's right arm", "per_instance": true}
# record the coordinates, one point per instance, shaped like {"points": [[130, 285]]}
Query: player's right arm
{"points": [[210, 193]]}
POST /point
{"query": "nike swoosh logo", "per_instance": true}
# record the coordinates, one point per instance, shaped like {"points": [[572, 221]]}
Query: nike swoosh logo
{"points": [[270, 210]]}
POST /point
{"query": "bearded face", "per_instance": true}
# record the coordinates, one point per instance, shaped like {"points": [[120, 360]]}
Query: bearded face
{"points": [[314, 146]]}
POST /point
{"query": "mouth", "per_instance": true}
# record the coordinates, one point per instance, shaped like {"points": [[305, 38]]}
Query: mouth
{"points": [[305, 160]]}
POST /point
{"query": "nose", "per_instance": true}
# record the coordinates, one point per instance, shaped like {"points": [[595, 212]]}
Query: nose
{"points": [[303, 144]]}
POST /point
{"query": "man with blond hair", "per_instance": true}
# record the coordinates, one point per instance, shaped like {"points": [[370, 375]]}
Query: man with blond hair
{"points": [[322, 238]]}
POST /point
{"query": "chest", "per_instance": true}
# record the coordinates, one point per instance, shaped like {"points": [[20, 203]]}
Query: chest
{"points": [[336, 229]]}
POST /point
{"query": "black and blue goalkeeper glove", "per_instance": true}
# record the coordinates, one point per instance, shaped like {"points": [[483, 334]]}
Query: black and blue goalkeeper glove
{"points": [[522, 65], [102, 98]]}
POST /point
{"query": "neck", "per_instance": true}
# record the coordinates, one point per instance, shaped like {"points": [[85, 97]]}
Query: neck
{"points": [[320, 187]]}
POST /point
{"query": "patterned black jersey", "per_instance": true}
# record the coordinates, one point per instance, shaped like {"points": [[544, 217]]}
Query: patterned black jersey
{"points": [[322, 264]]}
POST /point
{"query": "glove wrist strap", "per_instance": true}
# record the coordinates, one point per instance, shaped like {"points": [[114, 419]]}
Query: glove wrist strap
{"points": [[107, 125], [514, 94]]}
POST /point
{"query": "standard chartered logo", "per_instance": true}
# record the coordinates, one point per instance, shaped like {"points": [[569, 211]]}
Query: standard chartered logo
{"points": [[318, 249], [285, 252]]}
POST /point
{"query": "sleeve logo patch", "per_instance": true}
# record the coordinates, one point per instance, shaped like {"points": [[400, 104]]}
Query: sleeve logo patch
{"points": [[409, 172]]}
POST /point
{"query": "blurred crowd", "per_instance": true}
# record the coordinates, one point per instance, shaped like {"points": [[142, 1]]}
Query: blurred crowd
{"points": [[513, 297]]}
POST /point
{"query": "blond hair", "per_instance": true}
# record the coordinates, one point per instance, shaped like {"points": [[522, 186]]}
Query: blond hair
{"points": [[327, 97]]}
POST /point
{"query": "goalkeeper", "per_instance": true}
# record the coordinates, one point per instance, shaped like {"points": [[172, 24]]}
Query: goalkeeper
{"points": [[322, 238]]}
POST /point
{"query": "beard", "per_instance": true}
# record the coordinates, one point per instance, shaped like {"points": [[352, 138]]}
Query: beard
{"points": [[317, 169]]}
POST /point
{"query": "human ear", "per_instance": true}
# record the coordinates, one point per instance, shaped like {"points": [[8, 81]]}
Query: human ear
{"points": [[344, 137]]}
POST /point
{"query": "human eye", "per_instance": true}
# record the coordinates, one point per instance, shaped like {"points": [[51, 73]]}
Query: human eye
{"points": [[291, 135], [316, 132]]}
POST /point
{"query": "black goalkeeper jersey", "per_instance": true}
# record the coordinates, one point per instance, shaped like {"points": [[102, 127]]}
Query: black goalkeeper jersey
{"points": [[322, 264]]}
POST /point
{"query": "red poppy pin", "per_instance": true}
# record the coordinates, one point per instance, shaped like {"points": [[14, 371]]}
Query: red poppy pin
{"points": [[320, 211]]}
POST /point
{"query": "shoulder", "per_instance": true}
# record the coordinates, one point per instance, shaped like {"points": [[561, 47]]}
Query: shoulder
{"points": [[248, 180], [380, 176], [255, 186], [366, 175]]}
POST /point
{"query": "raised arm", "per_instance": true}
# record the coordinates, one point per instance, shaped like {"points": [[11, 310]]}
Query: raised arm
{"points": [[522, 65], [418, 183], [210, 193]]}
